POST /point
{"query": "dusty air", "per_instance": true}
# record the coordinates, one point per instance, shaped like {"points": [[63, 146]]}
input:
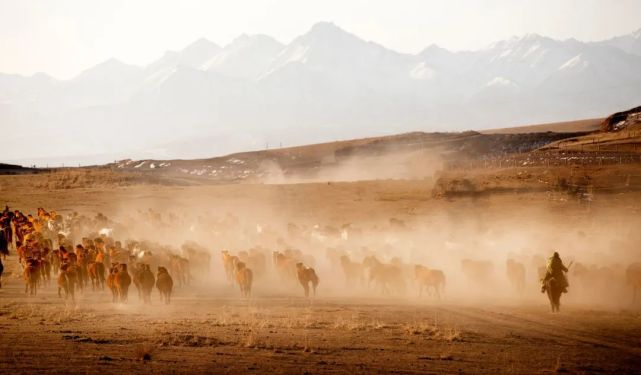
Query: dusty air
{"points": [[407, 188]]}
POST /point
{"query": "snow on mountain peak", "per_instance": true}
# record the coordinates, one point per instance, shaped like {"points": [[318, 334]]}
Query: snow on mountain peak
{"points": [[577, 62], [422, 72], [108, 69], [325, 28], [327, 33], [245, 57], [499, 82], [193, 56], [201, 45], [434, 50]]}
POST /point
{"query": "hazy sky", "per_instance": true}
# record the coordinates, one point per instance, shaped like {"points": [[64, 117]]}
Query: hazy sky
{"points": [[63, 37]]}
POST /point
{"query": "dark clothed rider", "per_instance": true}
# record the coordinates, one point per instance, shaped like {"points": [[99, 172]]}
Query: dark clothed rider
{"points": [[556, 269]]}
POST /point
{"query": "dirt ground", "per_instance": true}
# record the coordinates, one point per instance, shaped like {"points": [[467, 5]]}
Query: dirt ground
{"points": [[207, 331], [210, 329]]}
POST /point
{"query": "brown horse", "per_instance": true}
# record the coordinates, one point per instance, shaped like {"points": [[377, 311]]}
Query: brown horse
{"points": [[244, 278], [97, 275], [554, 289], [229, 262], [387, 277], [122, 281], [306, 275], [633, 278], [147, 282], [165, 284], [31, 275], [429, 279], [66, 281], [353, 271], [111, 282]]}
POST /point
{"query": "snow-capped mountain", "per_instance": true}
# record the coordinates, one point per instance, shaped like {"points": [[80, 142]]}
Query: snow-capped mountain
{"points": [[108, 83], [630, 43], [192, 56], [324, 85], [247, 57]]}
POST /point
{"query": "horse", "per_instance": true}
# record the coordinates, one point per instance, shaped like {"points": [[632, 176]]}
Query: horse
{"points": [[307, 275], [554, 290], [31, 275], [122, 282], [387, 277], [165, 284], [429, 279], [244, 278], [633, 279], [97, 275]]}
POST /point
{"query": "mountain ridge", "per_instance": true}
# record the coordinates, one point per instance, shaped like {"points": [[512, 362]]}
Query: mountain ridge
{"points": [[325, 84]]}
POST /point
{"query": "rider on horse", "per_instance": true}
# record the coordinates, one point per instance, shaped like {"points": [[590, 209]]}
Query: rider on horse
{"points": [[556, 269]]}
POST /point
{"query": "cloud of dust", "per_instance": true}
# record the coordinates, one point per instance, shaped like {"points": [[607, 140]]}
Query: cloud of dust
{"points": [[386, 164], [254, 221]]}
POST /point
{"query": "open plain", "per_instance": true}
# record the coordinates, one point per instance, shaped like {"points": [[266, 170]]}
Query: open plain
{"points": [[477, 325]]}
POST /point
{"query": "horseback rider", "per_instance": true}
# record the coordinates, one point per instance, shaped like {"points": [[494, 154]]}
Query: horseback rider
{"points": [[556, 269]]}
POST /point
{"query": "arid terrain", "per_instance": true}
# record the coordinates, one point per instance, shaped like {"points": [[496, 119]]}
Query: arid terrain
{"points": [[429, 199]]}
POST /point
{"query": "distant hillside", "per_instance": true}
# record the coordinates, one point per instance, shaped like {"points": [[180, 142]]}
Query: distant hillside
{"points": [[619, 132], [15, 169], [373, 154], [588, 125]]}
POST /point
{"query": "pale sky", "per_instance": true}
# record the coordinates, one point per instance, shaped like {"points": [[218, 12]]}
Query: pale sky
{"points": [[64, 37]]}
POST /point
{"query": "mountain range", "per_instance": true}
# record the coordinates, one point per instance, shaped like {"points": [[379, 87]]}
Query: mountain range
{"points": [[326, 84]]}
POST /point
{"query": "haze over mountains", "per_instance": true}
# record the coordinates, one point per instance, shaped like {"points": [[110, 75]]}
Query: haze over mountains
{"points": [[327, 84]]}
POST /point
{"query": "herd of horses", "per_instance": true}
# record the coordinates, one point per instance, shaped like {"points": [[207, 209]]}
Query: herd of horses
{"points": [[99, 261], [75, 271], [289, 266]]}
